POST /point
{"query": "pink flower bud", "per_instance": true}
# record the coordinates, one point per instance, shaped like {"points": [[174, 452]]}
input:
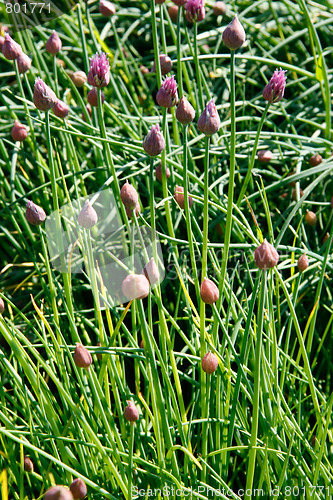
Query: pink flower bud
{"points": [[99, 73], [53, 44], [2, 306], [60, 109], [159, 2], [82, 356], [310, 218], [167, 96], [166, 64], [44, 98], [23, 63], [88, 217], [180, 198], [144, 70], [151, 272], [209, 363], [129, 211], [209, 120], [92, 97], [325, 238], [19, 132], [129, 196], [265, 256], [58, 493], [219, 9], [234, 35], [209, 292], [10, 49], [78, 489], [88, 108], [27, 464], [131, 412], [303, 263], [79, 78], [195, 11], [173, 12], [135, 286], [315, 160], [154, 142], [34, 214], [2, 41], [185, 112], [179, 2], [265, 156], [106, 8], [159, 172], [274, 90]]}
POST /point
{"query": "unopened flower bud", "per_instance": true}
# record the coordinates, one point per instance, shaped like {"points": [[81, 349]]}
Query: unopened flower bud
{"points": [[99, 73], [185, 112], [209, 292], [19, 132], [209, 120], [79, 78], [27, 464], [2, 306], [219, 9], [301, 193], [82, 356], [180, 198], [131, 412], [106, 8], [88, 108], [154, 142], [144, 70], [234, 35], [179, 2], [88, 217], [61, 63], [315, 160], [173, 12], [159, 2], [265, 156], [53, 44], [92, 97], [310, 218], [209, 363], [10, 49], [78, 489], [60, 109], [129, 196], [129, 211], [34, 214], [159, 172], [165, 63], [303, 263], [266, 256], [135, 286], [167, 96], [151, 272], [274, 90], [325, 238], [44, 98], [195, 11], [58, 493], [2, 41], [23, 63]]}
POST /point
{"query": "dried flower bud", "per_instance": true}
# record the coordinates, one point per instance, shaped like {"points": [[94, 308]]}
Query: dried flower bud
{"points": [[234, 35], [92, 97], [60, 109], [53, 44], [135, 286], [27, 464], [325, 238], [129, 196], [44, 98], [2, 306], [131, 412], [78, 489], [180, 198], [79, 78], [185, 113], [303, 263], [266, 256], [88, 217], [34, 214], [173, 12], [129, 211], [61, 63], [151, 272], [219, 9], [265, 156], [209, 292], [99, 73], [209, 120], [310, 218], [58, 493], [19, 132], [82, 356], [195, 11], [209, 363], [167, 96], [154, 142], [315, 160], [274, 90], [165, 63], [23, 63], [301, 193], [106, 8], [159, 172], [10, 49]]}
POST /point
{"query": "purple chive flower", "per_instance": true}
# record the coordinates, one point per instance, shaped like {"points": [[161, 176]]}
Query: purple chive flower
{"points": [[274, 90], [11, 49], [53, 44], [99, 73], [234, 35], [19, 132], [34, 214], [167, 96], [195, 10], [154, 142], [44, 98], [209, 120]]}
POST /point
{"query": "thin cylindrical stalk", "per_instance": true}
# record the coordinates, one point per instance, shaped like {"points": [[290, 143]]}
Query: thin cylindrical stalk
{"points": [[130, 462], [179, 55], [197, 67]]}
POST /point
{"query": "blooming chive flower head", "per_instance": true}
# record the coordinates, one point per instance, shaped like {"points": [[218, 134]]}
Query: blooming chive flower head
{"points": [[78, 489], [209, 120], [44, 98], [88, 217], [23, 63], [195, 10], [167, 96], [234, 35], [266, 256], [34, 214], [106, 8], [99, 73], [53, 44], [185, 112], [154, 142], [19, 132], [10, 49], [131, 412], [274, 90]]}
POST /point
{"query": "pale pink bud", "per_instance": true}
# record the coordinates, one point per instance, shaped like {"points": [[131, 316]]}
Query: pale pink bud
{"points": [[135, 286], [274, 90], [27, 464], [167, 96], [219, 9], [60, 109], [34, 214], [151, 272], [99, 73], [195, 11], [234, 35], [78, 489], [159, 172], [265, 156], [209, 363], [144, 70], [92, 97], [53, 44], [23, 63], [315, 160], [209, 120], [185, 112], [303, 263], [265, 256], [79, 78], [10, 49], [129, 196], [310, 218], [82, 356], [209, 292], [131, 412], [129, 211], [2, 306], [165, 63], [106, 8], [180, 198], [173, 12], [154, 142], [58, 493], [19, 132], [44, 98], [88, 217]]}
